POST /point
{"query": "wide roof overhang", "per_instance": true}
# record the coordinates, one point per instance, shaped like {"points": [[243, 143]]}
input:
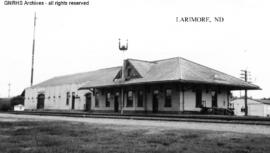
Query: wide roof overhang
{"points": [[180, 82]]}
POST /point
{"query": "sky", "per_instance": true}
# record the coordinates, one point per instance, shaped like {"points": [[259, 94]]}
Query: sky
{"points": [[73, 39]]}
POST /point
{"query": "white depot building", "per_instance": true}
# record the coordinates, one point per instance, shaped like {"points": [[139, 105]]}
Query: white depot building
{"points": [[61, 93], [174, 85]]}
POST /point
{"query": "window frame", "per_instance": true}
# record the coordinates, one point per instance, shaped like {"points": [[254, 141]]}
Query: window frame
{"points": [[129, 72], [168, 98], [107, 99], [198, 98], [140, 96], [97, 100], [67, 98], [243, 109], [130, 99]]}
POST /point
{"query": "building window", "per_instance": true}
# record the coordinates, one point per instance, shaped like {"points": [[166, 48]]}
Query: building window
{"points": [[130, 99], [96, 100], [108, 96], [243, 109], [198, 98], [67, 100], [214, 98], [168, 98], [140, 99], [129, 72]]}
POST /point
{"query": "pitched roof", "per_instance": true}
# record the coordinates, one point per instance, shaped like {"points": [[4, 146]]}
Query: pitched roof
{"points": [[174, 69], [99, 76], [265, 101], [141, 66], [252, 101]]}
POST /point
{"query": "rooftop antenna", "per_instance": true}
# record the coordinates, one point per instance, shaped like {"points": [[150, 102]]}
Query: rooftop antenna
{"points": [[123, 48], [33, 51]]}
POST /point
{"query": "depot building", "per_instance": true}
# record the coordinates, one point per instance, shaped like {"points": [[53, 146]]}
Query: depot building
{"points": [[174, 85]]}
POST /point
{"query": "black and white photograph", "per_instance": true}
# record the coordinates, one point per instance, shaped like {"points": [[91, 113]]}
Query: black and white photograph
{"points": [[134, 76]]}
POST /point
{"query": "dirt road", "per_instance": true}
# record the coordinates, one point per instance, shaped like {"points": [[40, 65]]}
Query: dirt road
{"points": [[126, 124]]}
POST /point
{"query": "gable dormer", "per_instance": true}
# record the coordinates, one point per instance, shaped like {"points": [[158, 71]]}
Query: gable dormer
{"points": [[130, 72]]}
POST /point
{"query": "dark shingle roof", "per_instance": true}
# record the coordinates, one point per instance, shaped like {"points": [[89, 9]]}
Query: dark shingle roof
{"points": [[265, 101], [250, 101], [141, 66], [99, 76], [174, 69]]}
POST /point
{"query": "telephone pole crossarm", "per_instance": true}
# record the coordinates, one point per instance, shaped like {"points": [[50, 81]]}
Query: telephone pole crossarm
{"points": [[244, 75]]}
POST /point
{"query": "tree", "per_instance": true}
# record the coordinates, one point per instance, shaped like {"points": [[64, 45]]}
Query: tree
{"points": [[17, 100]]}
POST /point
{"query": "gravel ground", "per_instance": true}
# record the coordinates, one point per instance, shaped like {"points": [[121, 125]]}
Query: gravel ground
{"points": [[126, 124]]}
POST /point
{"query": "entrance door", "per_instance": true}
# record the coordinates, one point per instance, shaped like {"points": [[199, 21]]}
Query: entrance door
{"points": [[88, 102], [214, 99], [73, 101], [116, 103], [40, 101], [155, 102]]}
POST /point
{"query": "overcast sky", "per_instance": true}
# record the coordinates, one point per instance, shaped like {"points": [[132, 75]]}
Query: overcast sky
{"points": [[71, 39]]}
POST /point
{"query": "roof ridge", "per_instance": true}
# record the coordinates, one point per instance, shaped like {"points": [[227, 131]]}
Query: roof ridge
{"points": [[166, 59], [84, 72], [153, 60], [140, 60]]}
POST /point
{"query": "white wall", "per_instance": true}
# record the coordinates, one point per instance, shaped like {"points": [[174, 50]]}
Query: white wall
{"points": [[237, 105], [207, 97], [255, 108], [147, 100], [222, 99], [59, 102], [190, 101], [55, 97], [267, 110]]}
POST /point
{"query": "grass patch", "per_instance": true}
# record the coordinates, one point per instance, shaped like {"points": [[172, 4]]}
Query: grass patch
{"points": [[67, 137]]}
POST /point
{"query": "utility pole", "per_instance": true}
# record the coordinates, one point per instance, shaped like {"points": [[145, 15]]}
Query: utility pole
{"points": [[244, 76], [9, 89], [33, 51]]}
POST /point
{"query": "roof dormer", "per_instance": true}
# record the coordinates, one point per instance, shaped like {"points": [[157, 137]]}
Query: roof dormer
{"points": [[130, 72]]}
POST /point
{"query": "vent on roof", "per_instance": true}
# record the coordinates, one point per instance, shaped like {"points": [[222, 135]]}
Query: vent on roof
{"points": [[217, 77]]}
